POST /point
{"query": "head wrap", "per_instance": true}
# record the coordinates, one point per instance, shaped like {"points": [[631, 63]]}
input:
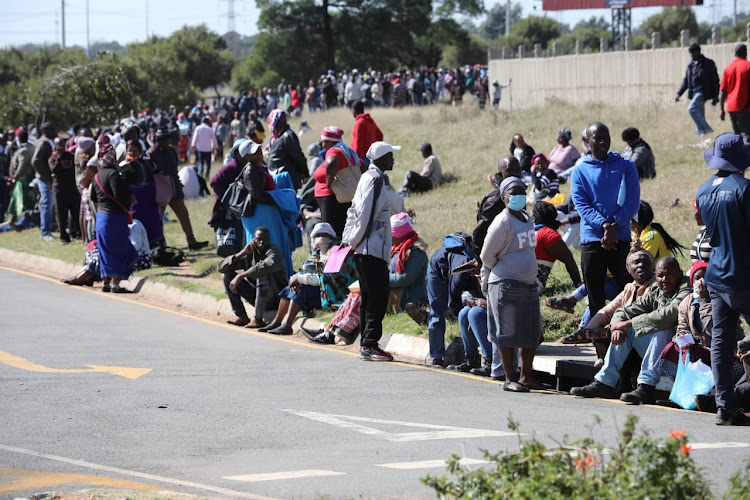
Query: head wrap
{"points": [[698, 264], [636, 249], [509, 183], [313, 149], [331, 134], [107, 156], [401, 225], [274, 117], [323, 228]]}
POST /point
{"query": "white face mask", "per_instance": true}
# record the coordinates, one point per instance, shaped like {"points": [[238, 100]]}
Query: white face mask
{"points": [[696, 290]]}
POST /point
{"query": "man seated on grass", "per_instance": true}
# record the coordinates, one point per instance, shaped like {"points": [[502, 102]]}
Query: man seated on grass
{"points": [[431, 176], [646, 325], [259, 283]]}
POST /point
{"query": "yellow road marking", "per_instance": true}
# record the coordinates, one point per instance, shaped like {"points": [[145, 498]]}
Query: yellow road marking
{"points": [[475, 378], [24, 364], [30, 480]]}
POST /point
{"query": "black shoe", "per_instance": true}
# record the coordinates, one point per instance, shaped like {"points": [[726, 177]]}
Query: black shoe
{"points": [[106, 287], [324, 338], [281, 330], [418, 314], [197, 245], [736, 417], [374, 353], [594, 390], [269, 326], [643, 394], [500, 377], [437, 363], [465, 367], [482, 371], [706, 403], [310, 333]]}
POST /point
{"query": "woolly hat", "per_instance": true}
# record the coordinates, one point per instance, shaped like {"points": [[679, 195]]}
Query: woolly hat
{"points": [[331, 134], [323, 228], [698, 264], [401, 225]]}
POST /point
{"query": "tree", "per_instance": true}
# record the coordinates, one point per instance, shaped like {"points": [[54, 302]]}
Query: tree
{"points": [[589, 36], [593, 22], [530, 31], [208, 63], [493, 25], [669, 22]]}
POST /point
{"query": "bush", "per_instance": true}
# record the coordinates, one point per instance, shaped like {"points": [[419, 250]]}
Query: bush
{"points": [[639, 467]]}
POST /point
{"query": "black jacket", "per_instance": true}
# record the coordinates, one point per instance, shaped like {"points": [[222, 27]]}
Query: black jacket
{"points": [[528, 152], [701, 76], [286, 156]]}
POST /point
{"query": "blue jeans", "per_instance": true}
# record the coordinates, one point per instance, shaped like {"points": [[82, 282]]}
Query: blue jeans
{"points": [[437, 295], [697, 111], [727, 307], [472, 323], [611, 290], [649, 347], [46, 207], [204, 159]]}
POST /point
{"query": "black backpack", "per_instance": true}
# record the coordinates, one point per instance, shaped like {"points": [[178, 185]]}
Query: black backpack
{"points": [[167, 256]]}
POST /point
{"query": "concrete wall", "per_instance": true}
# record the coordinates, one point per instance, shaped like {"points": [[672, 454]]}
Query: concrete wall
{"points": [[624, 78]]}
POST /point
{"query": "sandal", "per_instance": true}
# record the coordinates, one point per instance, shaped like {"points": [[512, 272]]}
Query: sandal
{"points": [[577, 337], [538, 386], [560, 303], [515, 387]]}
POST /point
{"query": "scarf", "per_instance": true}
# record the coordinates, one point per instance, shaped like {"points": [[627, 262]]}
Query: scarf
{"points": [[401, 250]]}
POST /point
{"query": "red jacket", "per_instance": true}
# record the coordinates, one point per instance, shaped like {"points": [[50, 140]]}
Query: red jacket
{"points": [[365, 132]]}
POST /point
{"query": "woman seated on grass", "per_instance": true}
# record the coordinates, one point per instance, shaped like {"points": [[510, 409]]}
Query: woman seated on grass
{"points": [[312, 288], [653, 236], [550, 246]]}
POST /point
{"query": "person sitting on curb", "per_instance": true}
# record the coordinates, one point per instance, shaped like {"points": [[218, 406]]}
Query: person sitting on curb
{"points": [[262, 277], [313, 288], [646, 325]]}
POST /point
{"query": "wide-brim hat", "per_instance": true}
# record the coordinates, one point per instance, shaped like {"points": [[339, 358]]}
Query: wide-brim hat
{"points": [[730, 153]]}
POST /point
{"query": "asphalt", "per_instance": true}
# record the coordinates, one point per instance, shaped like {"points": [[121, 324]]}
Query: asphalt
{"points": [[220, 402]]}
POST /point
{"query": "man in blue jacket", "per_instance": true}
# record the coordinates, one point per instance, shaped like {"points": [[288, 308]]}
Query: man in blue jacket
{"points": [[606, 192], [702, 83], [724, 204]]}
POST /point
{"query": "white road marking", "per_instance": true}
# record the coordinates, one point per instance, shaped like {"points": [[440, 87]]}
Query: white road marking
{"points": [[718, 446], [430, 464], [276, 476], [438, 432], [142, 475]]}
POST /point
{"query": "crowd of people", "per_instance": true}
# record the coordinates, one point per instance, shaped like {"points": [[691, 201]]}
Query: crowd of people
{"points": [[111, 188]]}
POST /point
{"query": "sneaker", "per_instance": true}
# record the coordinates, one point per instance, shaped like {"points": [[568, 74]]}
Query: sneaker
{"points": [[498, 377], [643, 394], [468, 363], [323, 338], [310, 333], [374, 353], [594, 390], [437, 363], [48, 237], [482, 371], [419, 315], [728, 417]]}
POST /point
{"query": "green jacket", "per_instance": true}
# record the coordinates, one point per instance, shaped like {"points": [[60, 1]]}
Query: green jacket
{"points": [[654, 310]]}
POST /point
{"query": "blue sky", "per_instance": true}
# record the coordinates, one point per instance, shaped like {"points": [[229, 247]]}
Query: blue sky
{"points": [[39, 21]]}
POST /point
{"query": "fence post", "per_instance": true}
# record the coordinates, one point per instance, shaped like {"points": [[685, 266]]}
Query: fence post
{"points": [[603, 44], [537, 50], [521, 51], [747, 32], [656, 39], [555, 49], [504, 53], [715, 35], [628, 42], [579, 46]]}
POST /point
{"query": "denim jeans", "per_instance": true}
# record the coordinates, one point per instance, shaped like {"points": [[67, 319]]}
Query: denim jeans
{"points": [[727, 307], [472, 323], [46, 207], [611, 290], [649, 347], [204, 159], [437, 296], [697, 111]]}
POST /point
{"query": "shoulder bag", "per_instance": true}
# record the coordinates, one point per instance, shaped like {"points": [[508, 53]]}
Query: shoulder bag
{"points": [[164, 187], [237, 199], [345, 181]]}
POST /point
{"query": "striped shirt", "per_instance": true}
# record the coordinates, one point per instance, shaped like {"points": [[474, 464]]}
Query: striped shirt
{"points": [[701, 249]]}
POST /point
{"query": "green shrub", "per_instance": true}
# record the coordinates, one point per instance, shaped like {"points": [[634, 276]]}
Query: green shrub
{"points": [[639, 467]]}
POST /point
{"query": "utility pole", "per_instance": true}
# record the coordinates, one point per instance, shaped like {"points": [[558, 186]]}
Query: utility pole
{"points": [[230, 16], [88, 41], [507, 17], [734, 13], [63, 24], [147, 35]]}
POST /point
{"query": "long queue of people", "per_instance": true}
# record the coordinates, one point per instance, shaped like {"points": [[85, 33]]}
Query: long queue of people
{"points": [[366, 256]]}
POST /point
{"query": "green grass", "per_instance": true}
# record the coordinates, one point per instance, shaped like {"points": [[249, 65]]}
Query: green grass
{"points": [[468, 143]]}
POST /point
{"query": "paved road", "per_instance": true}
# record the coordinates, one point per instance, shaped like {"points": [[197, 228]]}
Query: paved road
{"points": [[225, 413]]}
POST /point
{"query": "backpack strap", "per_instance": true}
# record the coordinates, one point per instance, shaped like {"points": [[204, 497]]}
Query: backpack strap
{"points": [[378, 188]]}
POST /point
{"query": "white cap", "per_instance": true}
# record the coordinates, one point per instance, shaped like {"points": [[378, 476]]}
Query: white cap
{"points": [[379, 149], [249, 148]]}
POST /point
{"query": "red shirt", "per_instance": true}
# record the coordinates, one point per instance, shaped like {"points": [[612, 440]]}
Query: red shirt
{"points": [[364, 133], [321, 187], [734, 82], [545, 237]]}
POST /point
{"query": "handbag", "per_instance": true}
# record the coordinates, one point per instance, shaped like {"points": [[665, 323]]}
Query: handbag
{"points": [[692, 378], [164, 189], [229, 238], [345, 183], [336, 257], [237, 199]]}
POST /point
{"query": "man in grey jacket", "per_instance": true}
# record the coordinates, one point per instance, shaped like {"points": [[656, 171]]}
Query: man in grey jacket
{"points": [[368, 232], [40, 161]]}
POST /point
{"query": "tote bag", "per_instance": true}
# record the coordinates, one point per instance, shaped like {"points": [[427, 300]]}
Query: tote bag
{"points": [[345, 183], [237, 199]]}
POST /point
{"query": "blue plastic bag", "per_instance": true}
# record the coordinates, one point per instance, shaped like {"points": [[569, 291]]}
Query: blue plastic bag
{"points": [[692, 378]]}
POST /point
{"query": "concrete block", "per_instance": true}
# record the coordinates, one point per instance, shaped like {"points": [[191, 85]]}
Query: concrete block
{"points": [[408, 346]]}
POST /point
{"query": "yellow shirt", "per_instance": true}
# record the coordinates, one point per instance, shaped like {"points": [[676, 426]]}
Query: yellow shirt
{"points": [[653, 242]]}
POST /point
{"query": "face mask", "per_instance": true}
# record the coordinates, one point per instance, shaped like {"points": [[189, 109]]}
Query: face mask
{"points": [[517, 202], [696, 290]]}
